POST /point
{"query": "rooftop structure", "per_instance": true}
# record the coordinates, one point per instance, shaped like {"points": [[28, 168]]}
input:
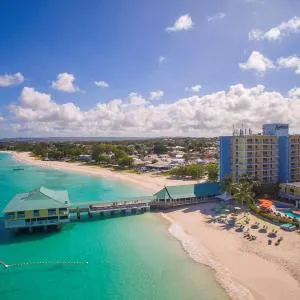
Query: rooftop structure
{"points": [[40, 207], [172, 196], [276, 129], [188, 191]]}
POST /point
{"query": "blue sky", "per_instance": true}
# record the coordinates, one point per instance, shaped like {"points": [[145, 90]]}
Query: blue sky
{"points": [[120, 42]]}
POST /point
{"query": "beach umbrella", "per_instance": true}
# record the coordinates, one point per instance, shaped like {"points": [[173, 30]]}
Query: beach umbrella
{"points": [[237, 208], [227, 210]]}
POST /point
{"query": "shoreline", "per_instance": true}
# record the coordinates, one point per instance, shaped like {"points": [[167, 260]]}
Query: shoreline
{"points": [[147, 182], [203, 256], [246, 270]]}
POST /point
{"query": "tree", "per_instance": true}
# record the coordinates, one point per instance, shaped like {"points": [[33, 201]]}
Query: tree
{"points": [[227, 185], [159, 148], [195, 171], [41, 150], [103, 158], [97, 149], [125, 161], [213, 172], [243, 192]]}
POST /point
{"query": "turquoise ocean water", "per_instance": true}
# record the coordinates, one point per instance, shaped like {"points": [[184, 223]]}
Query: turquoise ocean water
{"points": [[130, 257]]}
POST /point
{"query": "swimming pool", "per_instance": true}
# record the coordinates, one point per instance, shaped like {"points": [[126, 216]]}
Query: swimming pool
{"points": [[291, 214], [281, 205]]}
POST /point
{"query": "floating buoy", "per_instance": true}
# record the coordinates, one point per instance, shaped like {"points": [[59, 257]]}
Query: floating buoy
{"points": [[22, 264]]}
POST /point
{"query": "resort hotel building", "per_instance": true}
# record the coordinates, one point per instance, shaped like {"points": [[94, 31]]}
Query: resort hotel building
{"points": [[40, 208], [272, 156]]}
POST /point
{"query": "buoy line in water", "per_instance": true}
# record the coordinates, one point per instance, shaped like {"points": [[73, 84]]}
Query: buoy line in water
{"points": [[24, 264]]}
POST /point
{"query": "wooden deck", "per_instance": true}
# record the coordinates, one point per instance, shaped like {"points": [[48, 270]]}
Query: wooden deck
{"points": [[110, 209], [94, 208], [166, 204]]}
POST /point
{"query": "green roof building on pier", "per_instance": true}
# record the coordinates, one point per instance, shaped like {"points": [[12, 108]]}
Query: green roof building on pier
{"points": [[41, 207]]}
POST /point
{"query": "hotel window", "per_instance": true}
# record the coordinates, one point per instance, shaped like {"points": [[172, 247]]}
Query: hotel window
{"points": [[10, 216], [20, 214], [51, 212], [63, 211], [36, 213]]}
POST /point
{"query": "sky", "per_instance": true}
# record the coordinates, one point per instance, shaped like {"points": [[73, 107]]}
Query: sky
{"points": [[147, 67]]}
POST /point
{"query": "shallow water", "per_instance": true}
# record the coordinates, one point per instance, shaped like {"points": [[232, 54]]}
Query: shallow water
{"points": [[130, 257]]}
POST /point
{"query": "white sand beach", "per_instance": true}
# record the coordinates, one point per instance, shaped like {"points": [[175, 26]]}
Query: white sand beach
{"points": [[148, 182], [246, 269]]}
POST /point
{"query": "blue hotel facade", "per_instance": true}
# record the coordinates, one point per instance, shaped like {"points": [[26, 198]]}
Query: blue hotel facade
{"points": [[273, 156]]}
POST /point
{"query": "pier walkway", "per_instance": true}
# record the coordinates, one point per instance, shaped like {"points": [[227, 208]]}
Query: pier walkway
{"points": [[129, 207], [125, 207]]}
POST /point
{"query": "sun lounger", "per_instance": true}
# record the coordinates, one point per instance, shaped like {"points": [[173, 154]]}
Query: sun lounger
{"points": [[288, 227]]}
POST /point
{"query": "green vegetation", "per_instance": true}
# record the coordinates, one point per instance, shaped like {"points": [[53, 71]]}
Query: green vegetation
{"points": [[227, 185], [159, 148], [212, 172], [243, 191], [195, 171], [120, 152]]}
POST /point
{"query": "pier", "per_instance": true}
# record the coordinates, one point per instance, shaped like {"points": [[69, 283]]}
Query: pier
{"points": [[115, 208], [45, 208]]}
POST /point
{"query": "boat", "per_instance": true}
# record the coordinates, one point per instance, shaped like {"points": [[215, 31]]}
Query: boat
{"points": [[18, 169]]}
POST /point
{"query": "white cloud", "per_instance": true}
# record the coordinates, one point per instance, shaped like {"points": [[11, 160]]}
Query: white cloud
{"points": [[34, 99], [218, 16], [292, 61], [38, 108], [195, 89], [101, 84], [65, 83], [136, 99], [182, 23], [161, 59], [11, 79], [277, 32], [208, 115], [294, 93], [257, 62], [156, 95]]}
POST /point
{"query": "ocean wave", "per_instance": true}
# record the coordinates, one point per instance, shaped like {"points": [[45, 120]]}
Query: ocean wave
{"points": [[202, 255]]}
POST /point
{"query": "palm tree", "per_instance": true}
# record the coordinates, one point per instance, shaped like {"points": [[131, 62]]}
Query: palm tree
{"points": [[227, 185], [252, 181], [243, 192]]}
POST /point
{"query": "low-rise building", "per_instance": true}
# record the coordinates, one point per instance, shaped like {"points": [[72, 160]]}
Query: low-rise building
{"points": [[85, 157], [41, 207], [159, 166], [291, 192]]}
